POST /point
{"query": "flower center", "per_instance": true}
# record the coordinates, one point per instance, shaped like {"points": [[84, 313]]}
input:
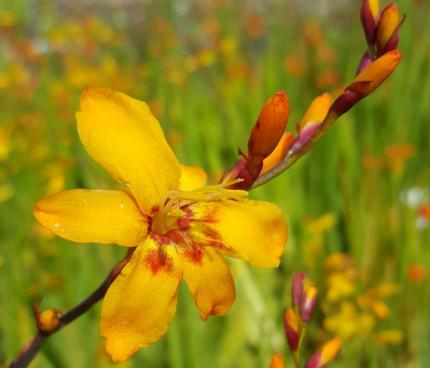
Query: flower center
{"points": [[176, 215]]}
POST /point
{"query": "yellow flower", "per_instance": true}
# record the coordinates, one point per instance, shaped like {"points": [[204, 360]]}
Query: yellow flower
{"points": [[181, 228]]}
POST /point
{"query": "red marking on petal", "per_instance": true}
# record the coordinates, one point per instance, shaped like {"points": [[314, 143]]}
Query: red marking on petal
{"points": [[157, 260], [194, 253]]}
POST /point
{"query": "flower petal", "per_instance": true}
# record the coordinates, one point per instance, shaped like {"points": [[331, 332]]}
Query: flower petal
{"points": [[254, 231], [141, 302], [122, 135], [93, 216], [192, 177], [209, 280]]}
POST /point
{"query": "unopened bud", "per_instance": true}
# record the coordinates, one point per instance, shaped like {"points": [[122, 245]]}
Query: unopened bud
{"points": [[47, 321], [325, 355], [297, 288], [388, 24], [317, 110], [368, 13], [292, 329], [269, 127], [308, 303], [369, 79], [277, 361]]}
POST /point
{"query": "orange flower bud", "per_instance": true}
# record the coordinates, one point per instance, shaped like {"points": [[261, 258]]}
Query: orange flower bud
{"points": [[325, 355], [277, 361], [269, 128], [292, 329], [378, 71], [47, 321], [308, 303], [370, 78], [388, 24]]}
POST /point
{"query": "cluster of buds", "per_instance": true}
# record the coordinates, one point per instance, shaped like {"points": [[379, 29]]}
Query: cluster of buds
{"points": [[304, 295], [380, 27], [271, 150]]}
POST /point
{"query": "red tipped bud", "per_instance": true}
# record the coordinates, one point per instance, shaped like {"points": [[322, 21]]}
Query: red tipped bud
{"points": [[325, 355], [308, 303], [269, 128], [297, 288], [292, 329], [277, 361]]}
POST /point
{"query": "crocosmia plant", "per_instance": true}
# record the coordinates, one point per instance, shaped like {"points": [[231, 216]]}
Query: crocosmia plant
{"points": [[178, 225]]}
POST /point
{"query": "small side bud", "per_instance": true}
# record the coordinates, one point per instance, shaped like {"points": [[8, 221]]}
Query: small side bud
{"points": [[297, 288], [325, 355], [277, 361], [278, 153], [48, 320], [292, 329], [269, 128], [308, 303]]}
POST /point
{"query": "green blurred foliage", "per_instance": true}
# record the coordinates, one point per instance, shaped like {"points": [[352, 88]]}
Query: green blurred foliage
{"points": [[206, 68]]}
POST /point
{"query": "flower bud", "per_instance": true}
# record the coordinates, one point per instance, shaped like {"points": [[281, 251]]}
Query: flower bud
{"points": [[308, 303], [292, 329], [47, 321], [269, 128], [369, 79], [388, 24], [316, 111], [297, 287], [277, 361], [325, 355], [368, 13]]}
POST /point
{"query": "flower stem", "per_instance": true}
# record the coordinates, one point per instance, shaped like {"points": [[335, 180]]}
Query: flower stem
{"points": [[29, 351]]}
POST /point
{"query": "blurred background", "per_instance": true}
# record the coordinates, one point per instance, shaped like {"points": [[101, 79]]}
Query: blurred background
{"points": [[358, 205]]}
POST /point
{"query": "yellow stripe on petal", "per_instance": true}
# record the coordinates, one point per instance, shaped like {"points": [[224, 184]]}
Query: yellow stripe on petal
{"points": [[192, 177], [254, 231], [317, 110], [209, 280], [122, 135], [93, 216], [141, 302]]}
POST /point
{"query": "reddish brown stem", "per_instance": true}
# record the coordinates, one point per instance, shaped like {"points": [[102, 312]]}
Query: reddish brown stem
{"points": [[29, 351]]}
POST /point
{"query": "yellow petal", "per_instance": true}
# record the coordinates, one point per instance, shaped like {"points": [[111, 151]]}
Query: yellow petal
{"points": [[317, 110], [378, 71], [192, 177], [141, 302], [93, 216], [209, 280], [122, 135], [254, 231], [278, 153]]}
